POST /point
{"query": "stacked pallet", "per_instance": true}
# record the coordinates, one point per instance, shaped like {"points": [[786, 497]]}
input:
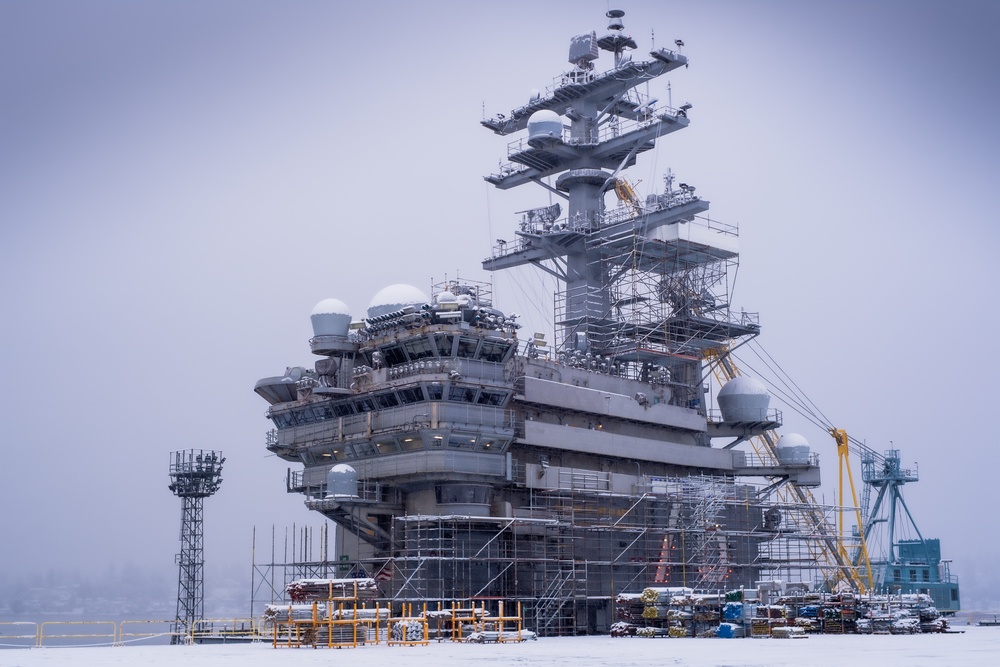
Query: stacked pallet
{"points": [[629, 607], [286, 613], [409, 631], [302, 590]]}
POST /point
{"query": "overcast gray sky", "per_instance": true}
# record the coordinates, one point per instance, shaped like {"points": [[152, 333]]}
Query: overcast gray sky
{"points": [[181, 182]]}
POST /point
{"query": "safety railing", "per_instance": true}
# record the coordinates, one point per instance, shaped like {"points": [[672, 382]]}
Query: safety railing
{"points": [[226, 629], [18, 636], [130, 631], [28, 634], [80, 632]]}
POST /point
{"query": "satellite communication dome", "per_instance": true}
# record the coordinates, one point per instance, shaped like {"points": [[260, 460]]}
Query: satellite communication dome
{"points": [[395, 297], [330, 317], [792, 449], [744, 399], [446, 297], [342, 480], [545, 125]]}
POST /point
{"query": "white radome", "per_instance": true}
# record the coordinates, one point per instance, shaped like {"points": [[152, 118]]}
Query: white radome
{"points": [[331, 317], [743, 399], [792, 440], [545, 124]]}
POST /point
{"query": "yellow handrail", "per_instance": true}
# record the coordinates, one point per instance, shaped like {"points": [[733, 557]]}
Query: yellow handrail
{"points": [[87, 635], [33, 636]]}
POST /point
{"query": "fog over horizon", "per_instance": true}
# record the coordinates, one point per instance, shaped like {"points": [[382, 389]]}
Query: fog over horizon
{"points": [[181, 182]]}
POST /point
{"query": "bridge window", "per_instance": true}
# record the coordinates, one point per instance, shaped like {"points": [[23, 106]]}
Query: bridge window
{"points": [[392, 354], [444, 345], [486, 444], [409, 395], [494, 350], [418, 348], [461, 394], [491, 397], [387, 446], [449, 494], [282, 420], [386, 400], [462, 441], [467, 347], [360, 450], [411, 442], [343, 409]]}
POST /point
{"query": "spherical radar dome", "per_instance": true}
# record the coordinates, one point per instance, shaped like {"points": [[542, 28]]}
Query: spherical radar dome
{"points": [[395, 297], [330, 317], [342, 480], [545, 124], [792, 440], [792, 449], [445, 297], [744, 399]]}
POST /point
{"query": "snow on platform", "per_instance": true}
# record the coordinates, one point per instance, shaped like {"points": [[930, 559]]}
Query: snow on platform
{"points": [[975, 646]]}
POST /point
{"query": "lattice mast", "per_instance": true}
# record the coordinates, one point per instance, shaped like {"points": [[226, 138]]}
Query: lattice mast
{"points": [[637, 283], [195, 474]]}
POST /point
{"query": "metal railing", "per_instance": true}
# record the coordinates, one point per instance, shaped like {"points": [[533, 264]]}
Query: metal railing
{"points": [[6, 637], [112, 633], [77, 630]]}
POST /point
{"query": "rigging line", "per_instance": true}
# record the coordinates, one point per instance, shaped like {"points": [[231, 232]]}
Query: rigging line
{"points": [[521, 298], [794, 384], [787, 391], [773, 380], [791, 396], [786, 396], [788, 400], [859, 447], [529, 301]]}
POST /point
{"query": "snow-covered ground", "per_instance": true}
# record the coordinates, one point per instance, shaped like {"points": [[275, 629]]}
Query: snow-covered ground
{"points": [[976, 646]]}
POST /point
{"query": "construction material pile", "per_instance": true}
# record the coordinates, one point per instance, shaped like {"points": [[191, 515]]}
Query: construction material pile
{"points": [[302, 590], [286, 613], [679, 612], [408, 631]]}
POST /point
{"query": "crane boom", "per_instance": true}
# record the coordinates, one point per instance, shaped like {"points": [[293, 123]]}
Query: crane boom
{"points": [[843, 457]]}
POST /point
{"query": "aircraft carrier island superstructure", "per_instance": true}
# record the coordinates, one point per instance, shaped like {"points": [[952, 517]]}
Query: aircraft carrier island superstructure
{"points": [[461, 457]]}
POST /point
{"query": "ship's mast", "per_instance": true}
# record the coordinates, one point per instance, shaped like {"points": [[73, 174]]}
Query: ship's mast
{"points": [[636, 282]]}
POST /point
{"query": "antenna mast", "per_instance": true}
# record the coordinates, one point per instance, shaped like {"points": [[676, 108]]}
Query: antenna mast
{"points": [[195, 474]]}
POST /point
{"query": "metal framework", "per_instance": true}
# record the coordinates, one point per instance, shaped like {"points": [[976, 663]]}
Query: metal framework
{"points": [[195, 474], [906, 560], [577, 547]]}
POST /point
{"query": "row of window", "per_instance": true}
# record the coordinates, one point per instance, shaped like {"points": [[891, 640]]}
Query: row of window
{"points": [[925, 575], [408, 442], [445, 345], [391, 398]]}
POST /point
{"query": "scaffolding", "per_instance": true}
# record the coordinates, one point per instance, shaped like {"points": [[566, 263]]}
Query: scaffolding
{"points": [[573, 550]]}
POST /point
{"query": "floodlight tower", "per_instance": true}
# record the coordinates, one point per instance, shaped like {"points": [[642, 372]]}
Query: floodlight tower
{"points": [[195, 474]]}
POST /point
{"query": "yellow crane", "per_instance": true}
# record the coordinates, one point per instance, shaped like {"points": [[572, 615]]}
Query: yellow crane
{"points": [[843, 458], [831, 546], [626, 195]]}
